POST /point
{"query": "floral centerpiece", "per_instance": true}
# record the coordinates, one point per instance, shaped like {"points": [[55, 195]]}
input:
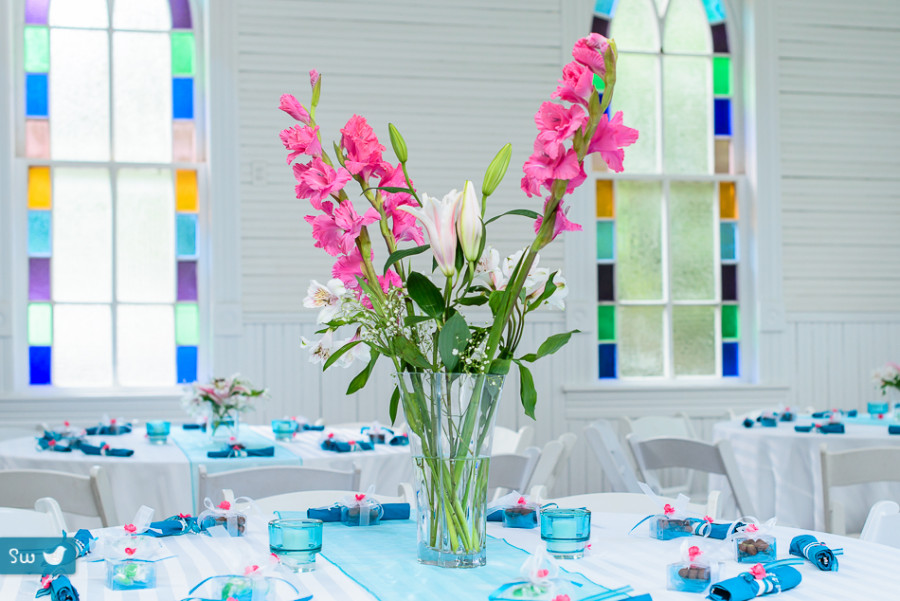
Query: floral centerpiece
{"points": [[450, 365], [221, 402], [887, 377]]}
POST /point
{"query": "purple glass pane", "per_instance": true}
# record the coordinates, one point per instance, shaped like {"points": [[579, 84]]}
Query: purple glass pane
{"points": [[720, 38], [605, 282], [38, 279], [187, 280], [36, 11], [729, 283], [181, 14], [600, 25]]}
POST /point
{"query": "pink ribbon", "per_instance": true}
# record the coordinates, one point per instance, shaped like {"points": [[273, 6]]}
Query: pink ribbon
{"points": [[758, 571]]}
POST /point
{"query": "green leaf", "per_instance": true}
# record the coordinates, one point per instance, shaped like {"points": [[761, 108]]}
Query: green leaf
{"points": [[412, 320], [522, 212], [370, 292], [500, 367], [403, 253], [454, 336], [549, 289], [554, 343], [338, 353], [395, 403], [527, 392], [473, 301], [496, 301], [409, 352], [389, 189], [362, 377], [425, 294]]}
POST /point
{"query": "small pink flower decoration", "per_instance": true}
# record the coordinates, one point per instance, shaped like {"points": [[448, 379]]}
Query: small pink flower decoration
{"points": [[694, 552], [130, 528], [250, 569], [543, 573], [105, 447], [130, 551], [360, 496], [51, 443], [707, 519], [588, 546], [66, 424], [752, 528], [225, 505], [668, 509], [112, 422], [274, 558], [758, 571], [231, 599], [351, 442], [522, 501], [184, 516], [331, 435], [46, 580], [562, 598]]}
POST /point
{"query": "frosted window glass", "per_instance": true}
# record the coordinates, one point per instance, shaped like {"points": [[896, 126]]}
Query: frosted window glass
{"points": [[187, 324], [142, 97], [640, 341], [82, 345], [145, 345], [638, 240], [40, 324], [37, 49], [637, 95], [635, 27], [686, 114], [141, 14], [79, 101], [79, 13], [691, 240], [145, 236], [686, 28], [694, 341], [82, 235]]}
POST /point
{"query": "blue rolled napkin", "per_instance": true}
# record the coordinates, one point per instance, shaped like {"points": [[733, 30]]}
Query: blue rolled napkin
{"points": [[821, 414], [201, 427], [745, 586], [83, 539], [401, 440], [852, 413], [711, 529], [329, 444], [787, 416], [496, 515], [58, 589], [831, 428], [748, 423], [173, 526], [392, 511], [808, 547], [110, 430], [313, 427], [237, 450], [104, 449], [893, 429], [52, 444], [803, 428], [768, 422]]}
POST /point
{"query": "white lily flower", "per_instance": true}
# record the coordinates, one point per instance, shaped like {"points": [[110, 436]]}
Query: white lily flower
{"points": [[509, 263], [439, 219], [489, 270], [328, 297], [320, 351], [469, 226]]}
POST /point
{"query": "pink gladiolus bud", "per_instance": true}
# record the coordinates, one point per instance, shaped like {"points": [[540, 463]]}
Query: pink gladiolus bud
{"points": [[313, 78], [589, 52], [293, 108]]}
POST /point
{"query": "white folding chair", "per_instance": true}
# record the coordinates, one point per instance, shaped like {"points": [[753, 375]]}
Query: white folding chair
{"points": [[89, 496], [627, 502], [512, 472], [613, 460], [553, 460], [46, 519], [301, 501], [883, 524], [672, 426], [270, 481], [509, 442], [847, 468], [664, 452]]}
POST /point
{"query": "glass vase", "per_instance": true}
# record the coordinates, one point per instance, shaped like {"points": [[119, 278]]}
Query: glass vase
{"points": [[451, 423], [223, 427]]}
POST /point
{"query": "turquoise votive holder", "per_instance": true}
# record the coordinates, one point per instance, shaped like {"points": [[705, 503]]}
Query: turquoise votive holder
{"points": [[295, 542], [520, 516], [158, 432], [877, 408], [284, 428], [566, 531], [130, 574]]}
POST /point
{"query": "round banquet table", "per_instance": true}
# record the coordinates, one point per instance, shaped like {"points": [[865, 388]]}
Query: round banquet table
{"points": [[615, 558], [783, 471]]}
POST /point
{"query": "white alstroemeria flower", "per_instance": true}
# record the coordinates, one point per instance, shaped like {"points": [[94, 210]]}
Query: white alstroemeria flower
{"points": [[509, 263], [536, 282], [360, 352], [439, 219], [557, 299], [469, 226], [328, 297], [320, 351], [489, 270]]}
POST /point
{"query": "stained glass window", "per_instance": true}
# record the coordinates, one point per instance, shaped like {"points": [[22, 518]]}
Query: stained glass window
{"points": [[668, 228], [112, 194]]}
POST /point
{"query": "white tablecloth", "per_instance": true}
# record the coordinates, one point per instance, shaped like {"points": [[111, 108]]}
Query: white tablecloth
{"points": [[783, 472]]}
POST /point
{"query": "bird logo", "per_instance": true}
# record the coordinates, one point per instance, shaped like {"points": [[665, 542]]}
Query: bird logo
{"points": [[56, 557]]}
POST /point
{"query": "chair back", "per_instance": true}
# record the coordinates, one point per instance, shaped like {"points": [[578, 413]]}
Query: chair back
{"points": [[554, 457], [626, 502], [509, 442], [89, 496], [512, 472], [45, 519], [847, 468], [612, 456], [261, 482]]}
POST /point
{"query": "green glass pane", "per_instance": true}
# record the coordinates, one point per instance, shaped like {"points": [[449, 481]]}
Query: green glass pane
{"points": [[37, 49], [692, 240], [728, 240], [694, 340], [686, 114], [639, 240], [187, 324], [635, 27], [637, 95], [641, 341], [606, 323], [605, 240], [686, 28], [731, 322], [599, 83], [182, 53], [40, 324], [722, 75]]}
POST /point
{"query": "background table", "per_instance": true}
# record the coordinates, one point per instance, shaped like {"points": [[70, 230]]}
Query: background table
{"points": [[783, 471]]}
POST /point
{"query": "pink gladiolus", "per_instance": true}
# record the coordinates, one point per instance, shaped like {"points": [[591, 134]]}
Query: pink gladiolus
{"points": [[390, 280], [557, 124], [317, 180], [403, 225], [313, 78], [589, 52], [348, 267], [609, 139], [576, 84], [541, 166], [561, 224], [363, 150], [301, 140], [337, 230], [439, 218], [293, 108]]}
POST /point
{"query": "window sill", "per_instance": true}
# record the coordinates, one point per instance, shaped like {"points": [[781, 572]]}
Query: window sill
{"points": [[84, 406]]}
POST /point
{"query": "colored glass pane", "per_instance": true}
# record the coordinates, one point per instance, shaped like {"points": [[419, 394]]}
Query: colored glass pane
{"points": [[187, 364], [183, 141], [607, 360], [39, 188], [36, 11], [186, 235], [36, 95], [635, 26], [145, 345], [641, 341], [729, 283], [606, 290], [39, 229], [182, 53], [181, 14], [692, 240], [80, 100], [37, 138], [639, 240], [728, 208], [605, 203], [694, 341], [715, 11], [686, 124], [731, 327], [40, 324], [145, 236], [37, 49], [606, 323], [730, 359], [605, 7], [38, 279], [728, 241], [84, 13], [82, 345], [600, 25], [722, 80], [686, 28], [638, 96], [597, 163], [722, 116], [142, 14], [720, 38], [599, 84], [723, 156], [605, 240], [82, 235], [186, 191], [187, 324], [39, 361], [182, 98], [187, 280]]}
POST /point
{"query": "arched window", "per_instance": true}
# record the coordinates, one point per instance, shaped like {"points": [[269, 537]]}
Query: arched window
{"points": [[667, 228], [107, 145]]}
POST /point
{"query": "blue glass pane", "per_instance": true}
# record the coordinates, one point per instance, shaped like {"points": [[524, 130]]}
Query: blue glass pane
{"points": [[606, 7], [186, 238], [715, 11], [722, 113], [728, 238], [730, 362], [36, 95], [187, 364], [39, 234], [39, 365], [182, 97], [607, 353]]}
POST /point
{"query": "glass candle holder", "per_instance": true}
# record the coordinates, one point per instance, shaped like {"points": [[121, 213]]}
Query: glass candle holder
{"points": [[877, 408], [295, 542], [130, 574], [158, 432], [566, 531], [284, 428]]}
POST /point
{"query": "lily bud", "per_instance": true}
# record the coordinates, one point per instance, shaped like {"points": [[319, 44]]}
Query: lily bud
{"points": [[496, 170], [469, 226], [439, 218], [398, 143]]}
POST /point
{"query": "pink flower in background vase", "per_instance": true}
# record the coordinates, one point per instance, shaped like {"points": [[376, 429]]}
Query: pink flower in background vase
{"points": [[439, 218], [589, 52], [363, 150], [301, 140], [337, 229], [609, 139], [317, 180], [561, 224], [557, 124], [576, 84], [293, 108]]}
